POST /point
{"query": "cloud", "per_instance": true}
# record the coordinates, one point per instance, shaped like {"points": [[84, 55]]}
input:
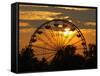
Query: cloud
{"points": [[27, 30], [66, 7], [32, 6], [81, 13], [23, 24], [37, 15], [90, 23], [75, 8]]}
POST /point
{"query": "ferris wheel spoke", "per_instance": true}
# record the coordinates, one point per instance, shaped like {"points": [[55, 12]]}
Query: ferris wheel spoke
{"points": [[45, 42], [46, 53], [56, 36], [64, 40], [70, 39], [42, 48], [50, 39], [53, 35], [58, 27], [50, 56], [61, 40], [57, 39], [76, 42], [59, 36]]}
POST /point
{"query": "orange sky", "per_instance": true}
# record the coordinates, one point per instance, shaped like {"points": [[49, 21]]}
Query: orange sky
{"points": [[34, 16]]}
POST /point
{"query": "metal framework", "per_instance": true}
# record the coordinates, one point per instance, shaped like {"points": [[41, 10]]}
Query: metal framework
{"points": [[49, 38]]}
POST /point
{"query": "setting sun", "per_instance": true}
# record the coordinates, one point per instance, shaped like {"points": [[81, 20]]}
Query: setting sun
{"points": [[67, 33]]}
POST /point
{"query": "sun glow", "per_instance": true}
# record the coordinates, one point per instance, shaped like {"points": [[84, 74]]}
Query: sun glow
{"points": [[67, 33]]}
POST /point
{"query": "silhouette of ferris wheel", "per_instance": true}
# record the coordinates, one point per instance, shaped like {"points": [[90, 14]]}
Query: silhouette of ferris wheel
{"points": [[54, 36]]}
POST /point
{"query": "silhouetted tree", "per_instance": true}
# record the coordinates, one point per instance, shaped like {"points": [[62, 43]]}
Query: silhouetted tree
{"points": [[91, 61], [64, 59], [25, 59], [43, 64]]}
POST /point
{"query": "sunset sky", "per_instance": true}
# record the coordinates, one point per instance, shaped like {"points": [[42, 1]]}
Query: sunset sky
{"points": [[32, 16]]}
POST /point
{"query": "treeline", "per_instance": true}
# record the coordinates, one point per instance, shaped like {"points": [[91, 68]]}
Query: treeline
{"points": [[66, 60]]}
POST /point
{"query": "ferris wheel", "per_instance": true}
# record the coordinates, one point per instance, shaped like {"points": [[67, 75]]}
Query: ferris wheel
{"points": [[54, 36]]}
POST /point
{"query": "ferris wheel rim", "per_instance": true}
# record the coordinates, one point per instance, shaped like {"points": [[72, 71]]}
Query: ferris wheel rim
{"points": [[78, 30]]}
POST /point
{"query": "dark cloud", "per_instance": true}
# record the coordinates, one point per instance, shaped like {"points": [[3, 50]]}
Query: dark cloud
{"points": [[88, 15]]}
